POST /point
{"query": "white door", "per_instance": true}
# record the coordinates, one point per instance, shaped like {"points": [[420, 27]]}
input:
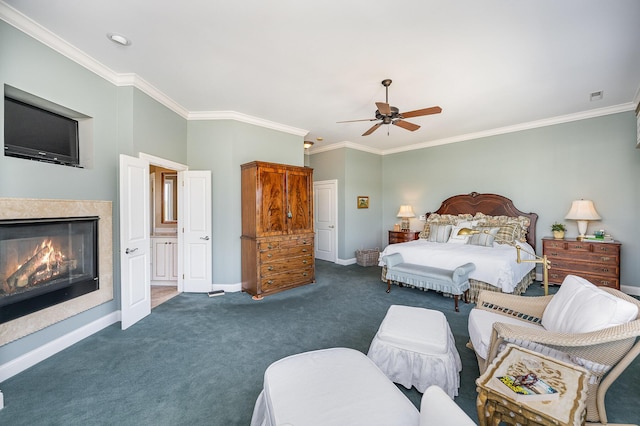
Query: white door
{"points": [[194, 229], [134, 240], [325, 215]]}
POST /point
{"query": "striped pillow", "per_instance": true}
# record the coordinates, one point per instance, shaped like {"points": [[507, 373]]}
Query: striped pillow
{"points": [[439, 233], [484, 239]]}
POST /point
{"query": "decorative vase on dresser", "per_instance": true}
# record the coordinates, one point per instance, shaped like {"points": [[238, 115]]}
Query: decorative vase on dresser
{"points": [[597, 262], [277, 228]]}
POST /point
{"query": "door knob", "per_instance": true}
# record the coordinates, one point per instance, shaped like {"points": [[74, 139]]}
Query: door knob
{"points": [[206, 238], [128, 250], [331, 226]]}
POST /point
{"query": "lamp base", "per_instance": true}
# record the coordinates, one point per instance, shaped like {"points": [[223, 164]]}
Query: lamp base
{"points": [[405, 224]]}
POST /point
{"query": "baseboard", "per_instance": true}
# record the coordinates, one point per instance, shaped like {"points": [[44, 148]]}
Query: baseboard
{"points": [[228, 288], [630, 289], [345, 262], [18, 365]]}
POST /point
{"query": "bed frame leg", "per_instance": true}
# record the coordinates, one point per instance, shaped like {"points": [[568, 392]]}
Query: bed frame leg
{"points": [[388, 286], [455, 299]]}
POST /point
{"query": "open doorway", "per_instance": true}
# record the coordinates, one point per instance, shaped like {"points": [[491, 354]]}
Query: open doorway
{"points": [[163, 211], [163, 223]]}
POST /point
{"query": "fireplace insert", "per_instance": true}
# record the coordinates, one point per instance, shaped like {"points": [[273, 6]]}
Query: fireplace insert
{"points": [[44, 262]]}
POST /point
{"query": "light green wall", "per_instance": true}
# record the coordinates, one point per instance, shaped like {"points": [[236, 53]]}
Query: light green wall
{"points": [[363, 177], [358, 173], [542, 170], [36, 69], [127, 121], [222, 146]]}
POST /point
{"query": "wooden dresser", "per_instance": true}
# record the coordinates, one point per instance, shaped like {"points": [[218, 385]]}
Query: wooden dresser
{"points": [[277, 227], [597, 262], [403, 236]]}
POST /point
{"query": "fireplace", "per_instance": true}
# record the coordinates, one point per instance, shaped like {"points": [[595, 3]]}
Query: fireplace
{"points": [[44, 262]]}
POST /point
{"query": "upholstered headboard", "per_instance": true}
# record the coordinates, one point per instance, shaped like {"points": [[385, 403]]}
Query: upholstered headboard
{"points": [[489, 204]]}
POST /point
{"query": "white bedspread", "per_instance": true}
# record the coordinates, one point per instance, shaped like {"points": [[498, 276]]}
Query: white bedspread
{"points": [[494, 265]]}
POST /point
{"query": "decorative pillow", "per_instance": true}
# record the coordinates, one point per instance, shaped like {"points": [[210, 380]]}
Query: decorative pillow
{"points": [[440, 233], [522, 223], [442, 219], [484, 238], [508, 234], [580, 307], [458, 239]]}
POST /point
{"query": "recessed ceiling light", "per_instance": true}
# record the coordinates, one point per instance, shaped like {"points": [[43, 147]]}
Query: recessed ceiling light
{"points": [[596, 96], [120, 39]]}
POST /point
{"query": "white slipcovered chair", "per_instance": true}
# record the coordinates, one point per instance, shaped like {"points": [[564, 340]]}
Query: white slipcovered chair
{"points": [[594, 327], [341, 386]]}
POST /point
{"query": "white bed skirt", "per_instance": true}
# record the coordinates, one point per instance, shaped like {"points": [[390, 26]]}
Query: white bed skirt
{"points": [[409, 368]]}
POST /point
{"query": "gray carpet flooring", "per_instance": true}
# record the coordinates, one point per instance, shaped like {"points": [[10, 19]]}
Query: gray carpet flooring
{"points": [[198, 360]]}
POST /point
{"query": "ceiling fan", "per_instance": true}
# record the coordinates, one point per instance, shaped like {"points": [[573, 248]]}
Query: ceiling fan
{"points": [[388, 114]]}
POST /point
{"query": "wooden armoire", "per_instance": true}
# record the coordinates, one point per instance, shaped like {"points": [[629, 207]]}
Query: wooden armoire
{"points": [[277, 228]]}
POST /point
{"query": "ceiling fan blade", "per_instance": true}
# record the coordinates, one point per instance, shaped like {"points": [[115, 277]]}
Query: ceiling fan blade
{"points": [[420, 112], [406, 125], [371, 130], [384, 108], [353, 121]]}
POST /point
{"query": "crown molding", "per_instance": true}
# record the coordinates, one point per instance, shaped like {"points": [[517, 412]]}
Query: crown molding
{"points": [[238, 116], [599, 112], [53, 41], [492, 132]]}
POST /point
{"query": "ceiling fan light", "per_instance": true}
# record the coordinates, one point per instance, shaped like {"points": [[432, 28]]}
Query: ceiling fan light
{"points": [[308, 144]]}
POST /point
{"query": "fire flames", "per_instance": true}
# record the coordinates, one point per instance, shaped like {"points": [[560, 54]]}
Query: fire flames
{"points": [[45, 263]]}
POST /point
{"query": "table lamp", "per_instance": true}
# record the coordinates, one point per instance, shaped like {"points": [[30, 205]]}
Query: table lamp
{"points": [[405, 212], [546, 264], [582, 211]]}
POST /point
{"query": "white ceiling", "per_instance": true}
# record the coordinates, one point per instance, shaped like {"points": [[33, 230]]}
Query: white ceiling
{"points": [[490, 64]]}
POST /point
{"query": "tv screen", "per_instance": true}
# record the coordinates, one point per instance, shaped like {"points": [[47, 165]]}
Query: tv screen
{"points": [[37, 134]]}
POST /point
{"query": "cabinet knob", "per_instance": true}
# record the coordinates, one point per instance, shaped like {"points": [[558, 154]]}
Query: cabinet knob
{"points": [[269, 255], [269, 246], [304, 274], [289, 215], [270, 282], [304, 261], [304, 249], [605, 269], [270, 268], [304, 241], [605, 259]]}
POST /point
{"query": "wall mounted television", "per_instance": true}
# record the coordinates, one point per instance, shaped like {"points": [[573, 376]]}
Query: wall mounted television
{"points": [[37, 134]]}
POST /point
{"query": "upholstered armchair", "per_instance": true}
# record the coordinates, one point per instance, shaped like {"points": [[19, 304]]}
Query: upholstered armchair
{"points": [[562, 329]]}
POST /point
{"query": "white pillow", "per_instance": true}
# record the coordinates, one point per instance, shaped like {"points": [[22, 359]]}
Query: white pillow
{"points": [[439, 233], [458, 239], [580, 307]]}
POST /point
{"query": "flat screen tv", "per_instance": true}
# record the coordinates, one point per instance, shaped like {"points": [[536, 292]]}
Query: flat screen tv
{"points": [[37, 134]]}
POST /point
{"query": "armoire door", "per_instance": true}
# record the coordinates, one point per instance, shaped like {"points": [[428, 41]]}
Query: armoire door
{"points": [[300, 201], [273, 205]]}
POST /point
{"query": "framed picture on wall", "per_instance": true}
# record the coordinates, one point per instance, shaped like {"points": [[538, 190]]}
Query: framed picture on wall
{"points": [[363, 202]]}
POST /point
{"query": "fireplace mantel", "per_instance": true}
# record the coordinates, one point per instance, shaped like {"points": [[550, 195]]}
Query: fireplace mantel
{"points": [[24, 208]]}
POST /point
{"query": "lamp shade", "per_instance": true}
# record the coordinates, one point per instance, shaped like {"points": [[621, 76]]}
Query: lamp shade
{"points": [[582, 210], [406, 211]]}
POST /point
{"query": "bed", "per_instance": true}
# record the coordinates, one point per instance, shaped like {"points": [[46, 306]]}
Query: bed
{"points": [[496, 266]]}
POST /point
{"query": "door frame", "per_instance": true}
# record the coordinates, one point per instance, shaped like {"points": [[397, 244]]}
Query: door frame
{"points": [[178, 167]]}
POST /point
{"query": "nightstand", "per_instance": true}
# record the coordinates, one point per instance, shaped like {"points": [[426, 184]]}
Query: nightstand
{"points": [[596, 262], [403, 236]]}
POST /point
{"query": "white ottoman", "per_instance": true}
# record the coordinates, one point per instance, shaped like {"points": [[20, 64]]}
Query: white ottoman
{"points": [[327, 387], [415, 347]]}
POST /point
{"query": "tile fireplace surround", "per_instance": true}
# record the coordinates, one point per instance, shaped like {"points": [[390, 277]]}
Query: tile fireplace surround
{"points": [[23, 208]]}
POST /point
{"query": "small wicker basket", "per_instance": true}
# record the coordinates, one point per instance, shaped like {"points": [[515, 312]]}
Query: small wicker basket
{"points": [[367, 257]]}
